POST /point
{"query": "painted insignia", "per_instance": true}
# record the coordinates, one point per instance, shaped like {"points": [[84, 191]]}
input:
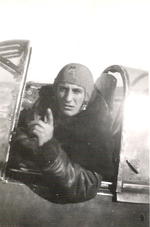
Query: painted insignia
{"points": [[72, 70]]}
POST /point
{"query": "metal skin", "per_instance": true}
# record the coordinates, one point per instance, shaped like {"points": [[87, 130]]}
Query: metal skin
{"points": [[114, 204], [133, 175], [132, 120]]}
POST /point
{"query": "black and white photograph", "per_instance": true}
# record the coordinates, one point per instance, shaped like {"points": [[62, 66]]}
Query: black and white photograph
{"points": [[74, 113]]}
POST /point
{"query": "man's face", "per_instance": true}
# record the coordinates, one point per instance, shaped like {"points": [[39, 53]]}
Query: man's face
{"points": [[70, 98]]}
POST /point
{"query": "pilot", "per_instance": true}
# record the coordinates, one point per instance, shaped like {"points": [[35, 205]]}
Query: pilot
{"points": [[68, 134]]}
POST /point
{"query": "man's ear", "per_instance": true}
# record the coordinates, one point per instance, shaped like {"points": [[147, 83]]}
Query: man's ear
{"points": [[84, 106]]}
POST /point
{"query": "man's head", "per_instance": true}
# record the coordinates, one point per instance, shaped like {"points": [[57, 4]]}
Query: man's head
{"points": [[73, 87]]}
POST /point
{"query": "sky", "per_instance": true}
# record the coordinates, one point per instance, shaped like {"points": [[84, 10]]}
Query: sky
{"points": [[95, 33]]}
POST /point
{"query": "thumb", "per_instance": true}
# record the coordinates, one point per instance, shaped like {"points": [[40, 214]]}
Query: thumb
{"points": [[49, 116]]}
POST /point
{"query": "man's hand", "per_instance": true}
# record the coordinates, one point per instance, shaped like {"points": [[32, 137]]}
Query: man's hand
{"points": [[43, 130]]}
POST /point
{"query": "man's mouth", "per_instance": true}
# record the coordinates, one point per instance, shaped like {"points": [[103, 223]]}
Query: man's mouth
{"points": [[68, 107]]}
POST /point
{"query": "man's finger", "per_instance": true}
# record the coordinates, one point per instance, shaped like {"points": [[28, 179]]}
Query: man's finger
{"points": [[49, 116], [37, 133], [36, 122], [38, 128]]}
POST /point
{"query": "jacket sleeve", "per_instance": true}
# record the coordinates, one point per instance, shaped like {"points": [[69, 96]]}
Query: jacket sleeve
{"points": [[69, 182]]}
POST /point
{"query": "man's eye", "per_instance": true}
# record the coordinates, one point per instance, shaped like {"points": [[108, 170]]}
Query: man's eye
{"points": [[62, 89], [77, 91]]}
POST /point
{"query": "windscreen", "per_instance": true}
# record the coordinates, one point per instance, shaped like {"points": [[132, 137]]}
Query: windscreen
{"points": [[14, 60]]}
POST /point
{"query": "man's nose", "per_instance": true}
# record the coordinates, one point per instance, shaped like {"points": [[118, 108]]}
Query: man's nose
{"points": [[69, 96]]}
